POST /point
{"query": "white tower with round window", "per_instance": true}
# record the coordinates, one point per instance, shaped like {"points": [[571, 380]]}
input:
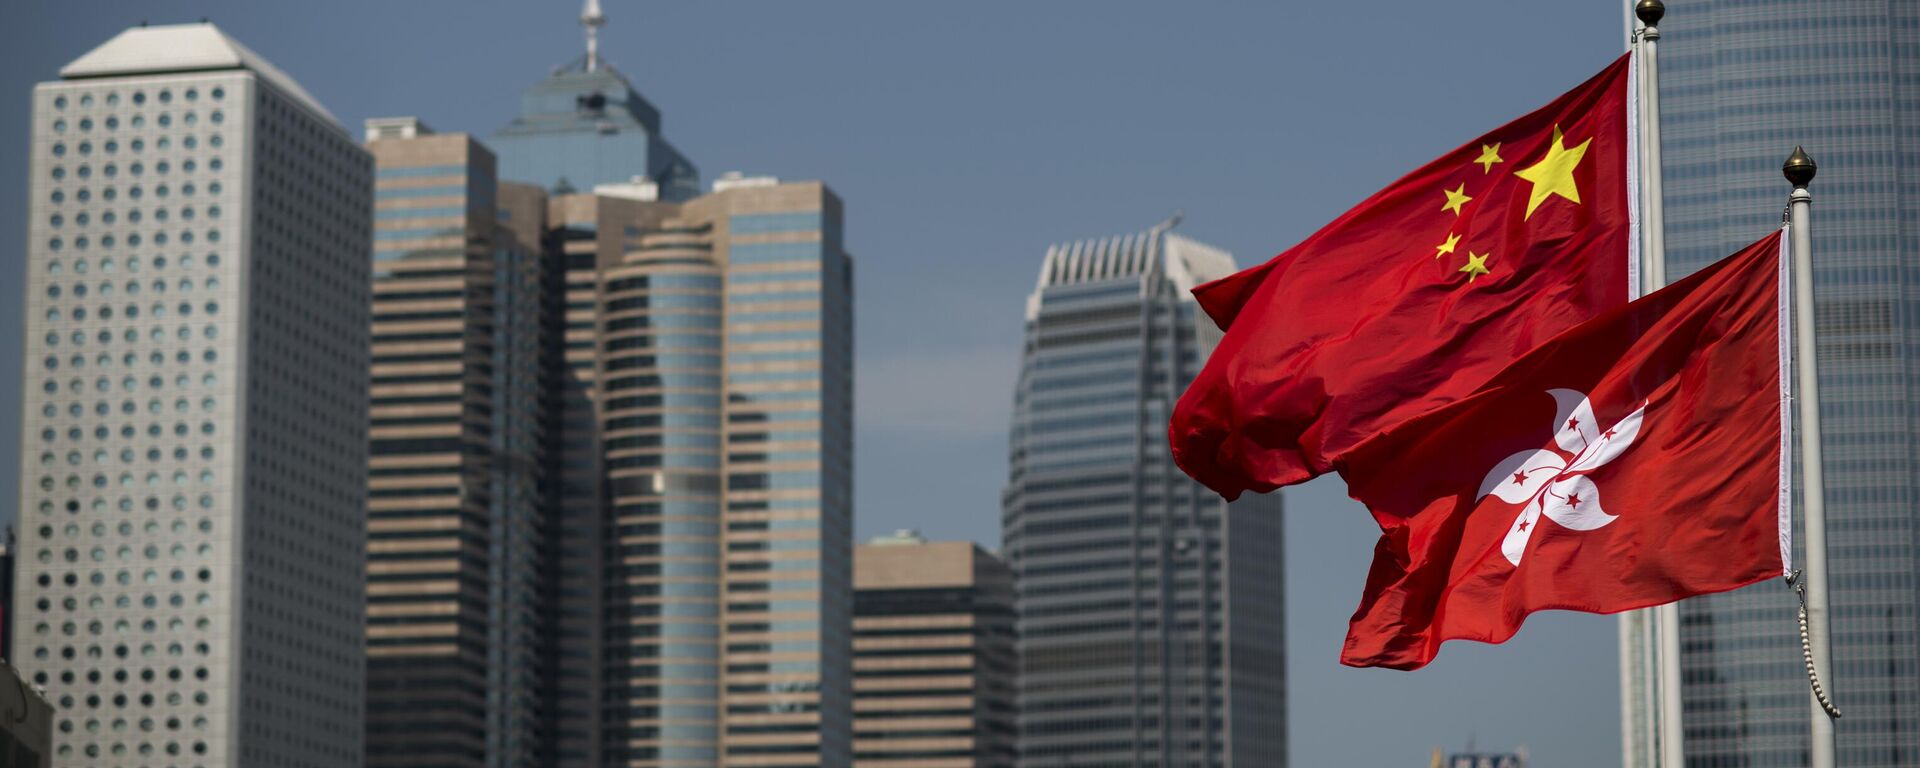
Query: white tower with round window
{"points": [[194, 431]]}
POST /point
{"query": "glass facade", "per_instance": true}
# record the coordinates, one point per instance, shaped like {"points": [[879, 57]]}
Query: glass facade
{"points": [[581, 128], [458, 507], [660, 426], [1150, 616], [721, 332], [580, 530], [1743, 82], [789, 477]]}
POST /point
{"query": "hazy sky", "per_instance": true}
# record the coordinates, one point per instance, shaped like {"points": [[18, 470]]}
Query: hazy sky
{"points": [[965, 138]]}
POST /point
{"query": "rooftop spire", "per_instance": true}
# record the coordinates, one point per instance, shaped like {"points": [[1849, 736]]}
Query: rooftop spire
{"points": [[592, 19]]}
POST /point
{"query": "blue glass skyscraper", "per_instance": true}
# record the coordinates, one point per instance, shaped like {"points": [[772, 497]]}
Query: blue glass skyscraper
{"points": [[1742, 82]]}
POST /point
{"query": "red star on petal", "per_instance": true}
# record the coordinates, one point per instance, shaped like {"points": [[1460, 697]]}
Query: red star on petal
{"points": [[1573, 499], [1573, 423], [1523, 524], [1519, 478]]}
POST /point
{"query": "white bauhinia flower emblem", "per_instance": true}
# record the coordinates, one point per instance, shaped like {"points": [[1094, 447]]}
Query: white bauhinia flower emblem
{"points": [[1554, 482]]}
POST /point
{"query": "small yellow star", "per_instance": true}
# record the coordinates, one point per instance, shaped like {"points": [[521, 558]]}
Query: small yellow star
{"points": [[1553, 175], [1476, 265], [1447, 247], [1455, 199], [1489, 154]]}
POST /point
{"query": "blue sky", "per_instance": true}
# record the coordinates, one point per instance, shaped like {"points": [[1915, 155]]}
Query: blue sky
{"points": [[965, 138]]}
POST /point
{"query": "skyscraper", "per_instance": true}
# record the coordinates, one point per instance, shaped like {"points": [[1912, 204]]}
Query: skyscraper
{"points": [[459, 504], [700, 542], [583, 128], [194, 442], [724, 397], [1742, 82], [1151, 628], [582, 527], [706, 512], [933, 655], [585, 125]]}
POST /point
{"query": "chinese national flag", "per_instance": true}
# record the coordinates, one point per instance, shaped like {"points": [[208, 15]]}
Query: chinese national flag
{"points": [[1415, 297], [1632, 461]]}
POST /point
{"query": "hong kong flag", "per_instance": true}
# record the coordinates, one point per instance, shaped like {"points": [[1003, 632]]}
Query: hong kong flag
{"points": [[1416, 296], [1631, 461]]}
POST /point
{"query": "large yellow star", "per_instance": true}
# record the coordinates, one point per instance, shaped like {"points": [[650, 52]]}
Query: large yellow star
{"points": [[1446, 247], [1455, 199], [1553, 175], [1489, 154], [1476, 265]]}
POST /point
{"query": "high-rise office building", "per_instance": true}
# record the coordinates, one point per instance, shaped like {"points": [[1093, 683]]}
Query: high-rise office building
{"points": [[933, 664], [585, 125], [194, 463], [700, 534], [584, 128], [705, 511], [1743, 82], [723, 390], [581, 530], [1151, 627], [458, 507]]}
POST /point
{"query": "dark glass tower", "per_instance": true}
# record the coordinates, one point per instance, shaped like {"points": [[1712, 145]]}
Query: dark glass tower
{"points": [[1150, 613], [1742, 82]]}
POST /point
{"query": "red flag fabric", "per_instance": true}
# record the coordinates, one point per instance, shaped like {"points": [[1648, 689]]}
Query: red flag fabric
{"points": [[1632, 461], [1415, 297]]}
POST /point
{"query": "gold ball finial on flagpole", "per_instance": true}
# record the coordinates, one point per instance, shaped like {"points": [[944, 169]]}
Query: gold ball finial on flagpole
{"points": [[1799, 169], [1650, 12]]}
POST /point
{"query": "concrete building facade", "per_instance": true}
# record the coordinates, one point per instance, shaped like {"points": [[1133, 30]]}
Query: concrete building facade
{"points": [[194, 454], [459, 503], [933, 655]]}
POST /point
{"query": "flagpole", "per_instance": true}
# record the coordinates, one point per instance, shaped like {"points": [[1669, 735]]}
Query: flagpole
{"points": [[1653, 219], [1640, 724], [1799, 170], [1663, 625]]}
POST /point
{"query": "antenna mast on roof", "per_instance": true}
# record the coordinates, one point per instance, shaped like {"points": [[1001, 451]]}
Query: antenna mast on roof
{"points": [[592, 19]]}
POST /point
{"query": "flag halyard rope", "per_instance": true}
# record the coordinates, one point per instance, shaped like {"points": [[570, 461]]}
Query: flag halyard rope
{"points": [[1806, 647]]}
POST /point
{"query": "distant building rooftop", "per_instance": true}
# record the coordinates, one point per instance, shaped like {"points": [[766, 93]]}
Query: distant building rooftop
{"points": [[738, 180], [396, 128], [902, 537]]}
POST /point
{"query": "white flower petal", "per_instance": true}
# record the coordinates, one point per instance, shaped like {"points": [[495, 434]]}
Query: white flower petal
{"points": [[1516, 478], [1514, 546], [1611, 443], [1574, 503], [1574, 427]]}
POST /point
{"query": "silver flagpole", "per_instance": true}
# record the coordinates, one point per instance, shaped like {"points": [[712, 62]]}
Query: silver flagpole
{"points": [[1817, 640], [1638, 738], [1664, 623], [1653, 219]]}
